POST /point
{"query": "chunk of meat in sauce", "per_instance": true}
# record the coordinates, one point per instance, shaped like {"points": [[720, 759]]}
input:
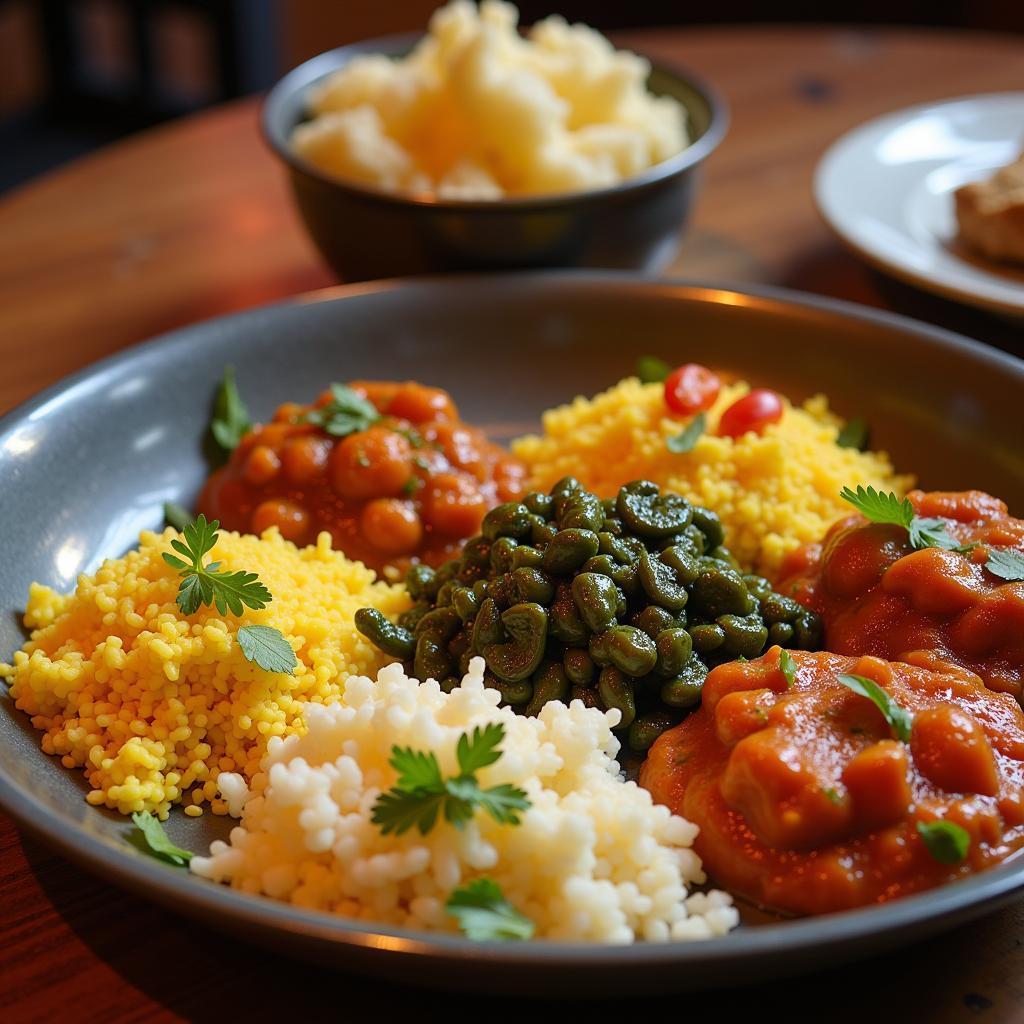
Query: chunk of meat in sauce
{"points": [[808, 803], [877, 595], [411, 487]]}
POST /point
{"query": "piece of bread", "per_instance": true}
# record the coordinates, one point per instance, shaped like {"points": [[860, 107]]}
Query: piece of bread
{"points": [[991, 214]]}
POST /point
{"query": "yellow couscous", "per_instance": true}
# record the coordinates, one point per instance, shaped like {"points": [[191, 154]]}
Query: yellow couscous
{"points": [[153, 705], [773, 491]]}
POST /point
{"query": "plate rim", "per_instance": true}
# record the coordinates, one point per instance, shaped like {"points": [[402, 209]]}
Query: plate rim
{"points": [[224, 908], [871, 255]]}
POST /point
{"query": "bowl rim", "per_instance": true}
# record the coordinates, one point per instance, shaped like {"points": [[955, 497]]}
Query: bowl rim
{"points": [[228, 908], [303, 75]]}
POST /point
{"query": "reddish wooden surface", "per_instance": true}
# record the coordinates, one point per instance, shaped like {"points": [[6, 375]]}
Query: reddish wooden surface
{"points": [[193, 220]]}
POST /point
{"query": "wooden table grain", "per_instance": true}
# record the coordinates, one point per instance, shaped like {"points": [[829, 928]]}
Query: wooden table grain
{"points": [[193, 220]]}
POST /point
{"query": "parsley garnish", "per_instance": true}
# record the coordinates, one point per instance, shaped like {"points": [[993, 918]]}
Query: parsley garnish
{"points": [[899, 718], [946, 841], [931, 533], [689, 436], [880, 506], [420, 794], [176, 516], [787, 666], [484, 914], [268, 648], [886, 507], [157, 842], [1006, 564], [206, 584], [853, 434], [832, 795], [652, 370], [230, 417], [346, 413]]}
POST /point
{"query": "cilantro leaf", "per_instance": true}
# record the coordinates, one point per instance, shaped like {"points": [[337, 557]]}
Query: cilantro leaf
{"points": [[157, 842], [787, 666], [268, 648], [480, 750], [853, 434], [886, 507], [207, 584], [346, 413], [484, 914], [503, 803], [832, 795], [176, 516], [230, 420], [880, 506], [932, 533], [421, 794], [689, 436], [398, 811], [416, 770], [946, 841], [1007, 564], [899, 718], [652, 370]]}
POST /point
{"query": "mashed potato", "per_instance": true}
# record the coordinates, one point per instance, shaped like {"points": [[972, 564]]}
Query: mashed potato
{"points": [[476, 111], [593, 858]]}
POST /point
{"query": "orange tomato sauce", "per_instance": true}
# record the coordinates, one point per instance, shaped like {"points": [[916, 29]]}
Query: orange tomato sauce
{"points": [[876, 595], [410, 488], [807, 803]]}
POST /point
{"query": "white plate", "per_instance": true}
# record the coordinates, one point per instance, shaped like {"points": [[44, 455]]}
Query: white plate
{"points": [[886, 188]]}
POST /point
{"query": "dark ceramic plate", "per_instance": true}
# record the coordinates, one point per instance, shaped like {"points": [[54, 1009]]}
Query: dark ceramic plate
{"points": [[87, 464]]}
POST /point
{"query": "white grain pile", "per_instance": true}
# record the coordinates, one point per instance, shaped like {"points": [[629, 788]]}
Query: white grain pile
{"points": [[593, 858]]}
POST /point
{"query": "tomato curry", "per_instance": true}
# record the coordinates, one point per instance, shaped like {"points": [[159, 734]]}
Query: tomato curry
{"points": [[877, 595], [410, 486], [808, 802]]}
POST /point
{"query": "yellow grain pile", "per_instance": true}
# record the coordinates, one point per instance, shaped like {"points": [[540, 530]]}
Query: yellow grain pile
{"points": [[774, 491], [154, 705]]}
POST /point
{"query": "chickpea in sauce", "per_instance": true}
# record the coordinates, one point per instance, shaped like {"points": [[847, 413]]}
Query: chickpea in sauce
{"points": [[397, 479]]}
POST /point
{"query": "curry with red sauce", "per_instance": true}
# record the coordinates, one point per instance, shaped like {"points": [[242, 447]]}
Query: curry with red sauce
{"points": [[877, 595], [807, 802], [410, 487]]}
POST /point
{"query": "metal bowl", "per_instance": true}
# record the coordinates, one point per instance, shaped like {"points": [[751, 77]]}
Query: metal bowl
{"points": [[87, 464], [365, 232]]}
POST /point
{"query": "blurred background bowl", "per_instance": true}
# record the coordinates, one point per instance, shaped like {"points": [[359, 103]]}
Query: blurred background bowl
{"points": [[364, 232]]}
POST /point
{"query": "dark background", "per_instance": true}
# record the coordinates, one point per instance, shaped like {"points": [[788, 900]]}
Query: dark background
{"points": [[75, 74]]}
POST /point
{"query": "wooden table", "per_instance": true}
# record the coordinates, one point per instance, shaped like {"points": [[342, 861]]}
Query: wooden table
{"points": [[193, 220]]}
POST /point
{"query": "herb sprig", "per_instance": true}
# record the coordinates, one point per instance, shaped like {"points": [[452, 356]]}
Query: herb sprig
{"points": [[268, 648], [202, 584], [688, 436], [886, 507], [484, 914], [421, 794], [157, 842], [346, 413], [898, 717], [1006, 563], [230, 420], [652, 370], [946, 841], [787, 666], [176, 515], [853, 434], [207, 584]]}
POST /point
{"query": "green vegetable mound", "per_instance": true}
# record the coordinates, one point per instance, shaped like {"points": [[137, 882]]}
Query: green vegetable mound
{"points": [[621, 603]]}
